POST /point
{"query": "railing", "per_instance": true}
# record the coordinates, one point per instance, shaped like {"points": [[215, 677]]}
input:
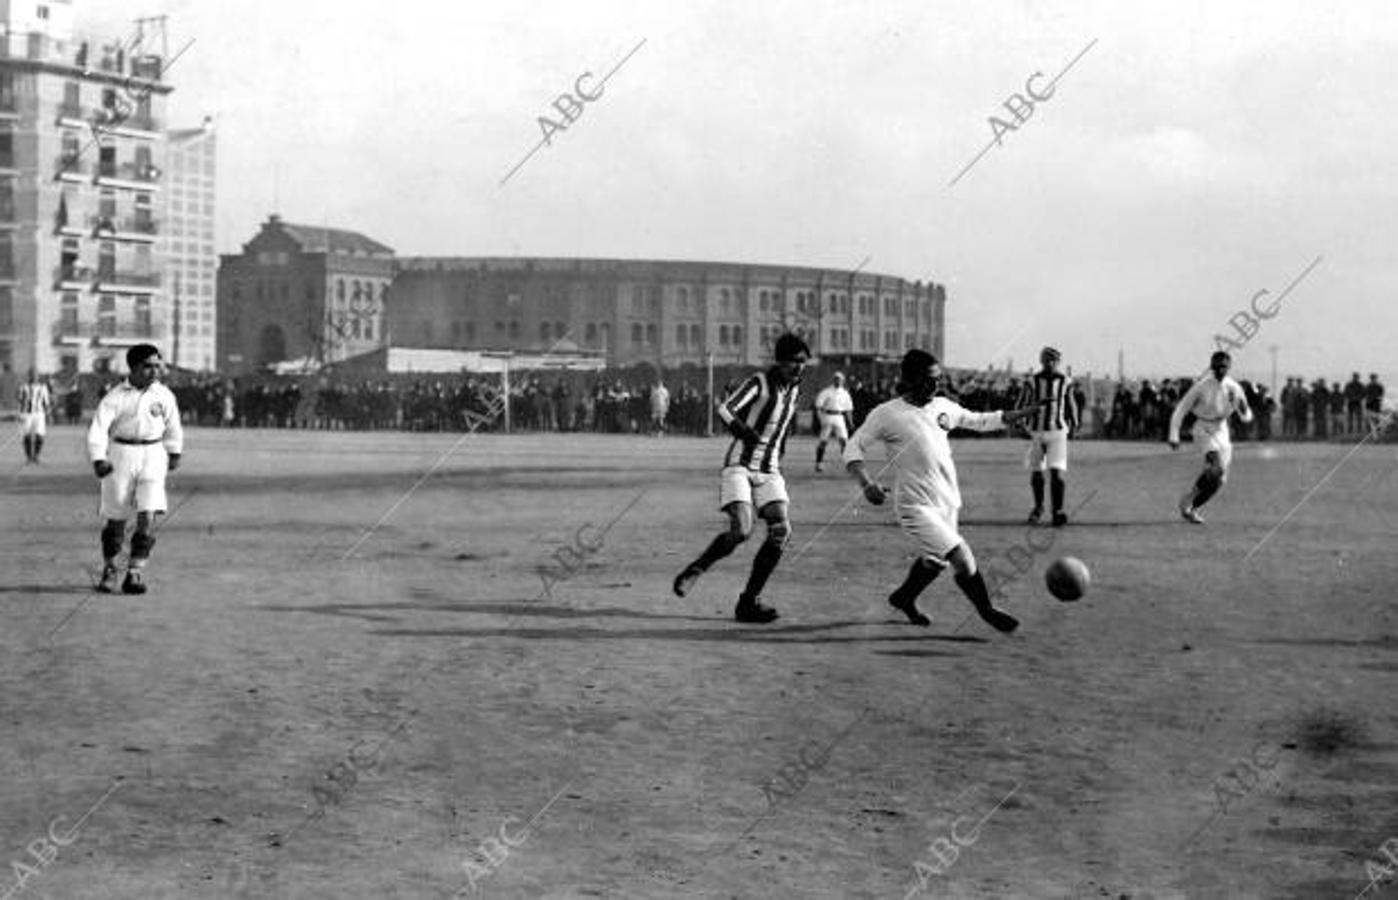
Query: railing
{"points": [[69, 163], [128, 171], [129, 279], [82, 274], [129, 329], [100, 224]]}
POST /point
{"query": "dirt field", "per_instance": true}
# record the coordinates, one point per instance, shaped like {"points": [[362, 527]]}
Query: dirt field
{"points": [[282, 718]]}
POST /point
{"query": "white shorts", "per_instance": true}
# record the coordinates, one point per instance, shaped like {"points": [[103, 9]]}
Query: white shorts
{"points": [[932, 529], [1047, 450], [1212, 437], [33, 423], [137, 480], [742, 485], [833, 427]]}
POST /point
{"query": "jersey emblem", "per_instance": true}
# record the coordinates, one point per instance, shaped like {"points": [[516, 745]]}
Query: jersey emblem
{"points": [[156, 409]]}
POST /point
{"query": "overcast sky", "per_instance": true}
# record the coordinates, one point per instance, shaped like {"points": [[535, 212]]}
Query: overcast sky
{"points": [[1196, 154]]}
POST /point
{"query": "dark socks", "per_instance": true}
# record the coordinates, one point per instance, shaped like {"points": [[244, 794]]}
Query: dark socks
{"points": [[1057, 488], [1036, 481], [973, 586], [920, 575], [720, 547], [763, 564], [112, 534], [1207, 485]]}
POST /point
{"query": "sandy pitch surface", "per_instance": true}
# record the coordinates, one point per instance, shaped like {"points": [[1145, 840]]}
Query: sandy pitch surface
{"points": [[426, 716]]}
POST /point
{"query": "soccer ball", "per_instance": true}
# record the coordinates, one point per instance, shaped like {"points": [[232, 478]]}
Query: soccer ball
{"points": [[1067, 578]]}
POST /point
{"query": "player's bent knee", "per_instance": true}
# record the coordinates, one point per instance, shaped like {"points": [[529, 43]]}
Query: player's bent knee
{"points": [[779, 532]]}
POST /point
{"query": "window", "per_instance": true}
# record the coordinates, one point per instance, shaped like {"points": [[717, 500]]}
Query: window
{"points": [[682, 293], [544, 332], [723, 335], [681, 333], [143, 323], [499, 328], [606, 334], [68, 313], [737, 335], [470, 332], [106, 316], [43, 11], [591, 333], [695, 337], [339, 290], [636, 333], [650, 335], [514, 329], [762, 301], [7, 149], [725, 300]]}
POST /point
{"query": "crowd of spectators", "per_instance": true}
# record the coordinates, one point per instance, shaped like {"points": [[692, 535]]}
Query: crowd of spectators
{"points": [[631, 402]]}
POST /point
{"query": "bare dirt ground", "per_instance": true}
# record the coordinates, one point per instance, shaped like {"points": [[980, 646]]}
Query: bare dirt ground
{"points": [[298, 709]]}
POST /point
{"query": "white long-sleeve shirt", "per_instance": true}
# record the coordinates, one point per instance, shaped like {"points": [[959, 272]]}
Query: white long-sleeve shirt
{"points": [[1211, 400], [915, 441], [131, 414]]}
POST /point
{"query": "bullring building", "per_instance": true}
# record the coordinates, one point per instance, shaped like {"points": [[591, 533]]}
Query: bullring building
{"points": [[660, 312]]}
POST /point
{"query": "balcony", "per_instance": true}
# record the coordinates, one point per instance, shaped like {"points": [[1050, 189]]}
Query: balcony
{"points": [[139, 228], [128, 174], [72, 167], [133, 122], [112, 281], [71, 331], [73, 277], [109, 331]]}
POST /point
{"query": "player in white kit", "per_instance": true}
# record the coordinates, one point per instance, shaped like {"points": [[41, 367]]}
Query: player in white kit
{"points": [[35, 401], [834, 407], [927, 499], [1212, 400], [134, 439]]}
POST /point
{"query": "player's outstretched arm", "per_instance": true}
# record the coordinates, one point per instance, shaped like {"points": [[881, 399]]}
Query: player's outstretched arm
{"points": [[873, 492]]}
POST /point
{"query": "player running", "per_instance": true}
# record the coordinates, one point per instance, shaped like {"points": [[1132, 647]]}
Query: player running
{"points": [[35, 401], [1056, 416], [927, 499], [1212, 400], [758, 414], [135, 437], [834, 407]]}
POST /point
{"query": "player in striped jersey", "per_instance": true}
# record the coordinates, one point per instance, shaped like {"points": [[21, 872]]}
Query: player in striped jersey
{"points": [[1212, 400], [35, 401], [1049, 390], [758, 415]]}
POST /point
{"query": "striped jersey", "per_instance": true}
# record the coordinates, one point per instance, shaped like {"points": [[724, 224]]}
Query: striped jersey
{"points": [[34, 398], [767, 410], [1052, 393]]}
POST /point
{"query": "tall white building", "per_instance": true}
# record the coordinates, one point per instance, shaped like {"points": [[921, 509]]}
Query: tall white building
{"points": [[191, 265], [81, 137]]}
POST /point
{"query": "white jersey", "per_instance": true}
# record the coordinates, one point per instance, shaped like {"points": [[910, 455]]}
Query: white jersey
{"points": [[128, 414], [915, 440], [834, 401], [1211, 400]]}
